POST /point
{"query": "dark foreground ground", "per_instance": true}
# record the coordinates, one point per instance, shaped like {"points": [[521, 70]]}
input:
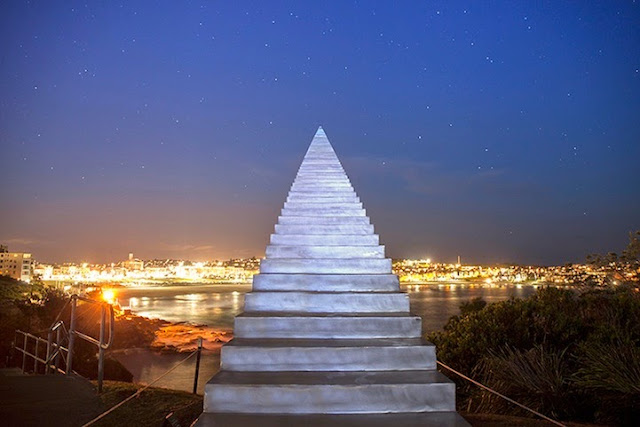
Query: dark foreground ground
{"points": [[67, 401]]}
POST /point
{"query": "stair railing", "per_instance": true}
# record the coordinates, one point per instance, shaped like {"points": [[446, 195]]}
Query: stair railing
{"points": [[55, 345]]}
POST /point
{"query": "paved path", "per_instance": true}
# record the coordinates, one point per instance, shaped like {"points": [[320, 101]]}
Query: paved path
{"points": [[46, 400]]}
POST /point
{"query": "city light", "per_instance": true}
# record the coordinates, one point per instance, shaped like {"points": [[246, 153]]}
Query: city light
{"points": [[109, 295]]}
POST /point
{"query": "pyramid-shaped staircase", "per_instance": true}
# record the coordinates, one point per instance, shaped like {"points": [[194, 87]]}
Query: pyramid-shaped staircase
{"points": [[326, 336]]}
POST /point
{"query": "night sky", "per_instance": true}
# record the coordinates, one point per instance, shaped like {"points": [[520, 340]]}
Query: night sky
{"points": [[499, 131]]}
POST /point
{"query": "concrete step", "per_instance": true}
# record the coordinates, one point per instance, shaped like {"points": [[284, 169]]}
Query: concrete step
{"points": [[320, 182], [301, 325], [320, 156], [322, 211], [319, 203], [326, 282], [321, 168], [326, 266], [321, 175], [326, 302], [348, 229], [326, 355], [321, 179], [328, 170], [323, 220], [279, 251], [321, 186], [307, 166], [331, 199], [325, 240], [323, 193], [323, 197], [417, 419], [344, 182], [329, 392], [327, 159]]}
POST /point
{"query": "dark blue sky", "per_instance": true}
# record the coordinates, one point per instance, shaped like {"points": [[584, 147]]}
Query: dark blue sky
{"points": [[500, 131]]}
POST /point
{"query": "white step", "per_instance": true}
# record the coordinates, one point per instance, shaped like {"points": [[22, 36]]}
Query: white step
{"points": [[272, 325], [317, 178], [324, 229], [416, 419], [322, 212], [320, 157], [323, 220], [315, 204], [321, 168], [326, 282], [321, 203], [326, 266], [327, 189], [321, 186], [323, 192], [326, 302], [321, 183], [321, 175], [329, 240], [326, 355], [279, 251], [335, 199], [322, 195], [320, 161], [329, 392]]}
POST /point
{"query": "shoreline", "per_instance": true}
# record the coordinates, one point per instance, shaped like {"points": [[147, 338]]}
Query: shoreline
{"points": [[163, 336]]}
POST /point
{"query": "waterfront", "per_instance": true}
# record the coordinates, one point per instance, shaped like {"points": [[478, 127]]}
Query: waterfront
{"points": [[217, 305]]}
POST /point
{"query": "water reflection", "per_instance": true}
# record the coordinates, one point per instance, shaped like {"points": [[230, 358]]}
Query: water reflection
{"points": [[437, 303], [217, 305], [212, 305]]}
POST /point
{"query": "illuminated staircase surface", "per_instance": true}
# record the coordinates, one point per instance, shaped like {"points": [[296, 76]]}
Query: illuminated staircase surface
{"points": [[326, 337]]}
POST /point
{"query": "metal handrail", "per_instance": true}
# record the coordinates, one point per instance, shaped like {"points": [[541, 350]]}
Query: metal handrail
{"points": [[55, 349]]}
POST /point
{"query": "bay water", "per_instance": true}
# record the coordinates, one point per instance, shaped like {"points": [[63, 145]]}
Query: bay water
{"points": [[216, 305]]}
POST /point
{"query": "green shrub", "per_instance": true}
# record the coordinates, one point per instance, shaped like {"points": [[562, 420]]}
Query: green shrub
{"points": [[537, 378], [574, 354]]}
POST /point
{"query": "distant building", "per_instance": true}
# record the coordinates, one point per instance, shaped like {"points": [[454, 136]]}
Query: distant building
{"points": [[133, 263], [15, 264]]}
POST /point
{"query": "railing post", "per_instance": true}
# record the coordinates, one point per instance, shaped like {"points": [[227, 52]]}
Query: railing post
{"points": [[11, 352], [72, 334], [103, 319], [35, 357], [49, 345], [24, 354], [56, 362], [195, 378]]}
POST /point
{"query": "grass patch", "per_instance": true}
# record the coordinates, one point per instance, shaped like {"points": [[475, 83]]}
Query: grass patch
{"points": [[150, 408]]}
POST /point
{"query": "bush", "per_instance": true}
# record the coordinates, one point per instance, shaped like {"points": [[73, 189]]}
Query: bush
{"points": [[569, 353], [537, 378]]}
